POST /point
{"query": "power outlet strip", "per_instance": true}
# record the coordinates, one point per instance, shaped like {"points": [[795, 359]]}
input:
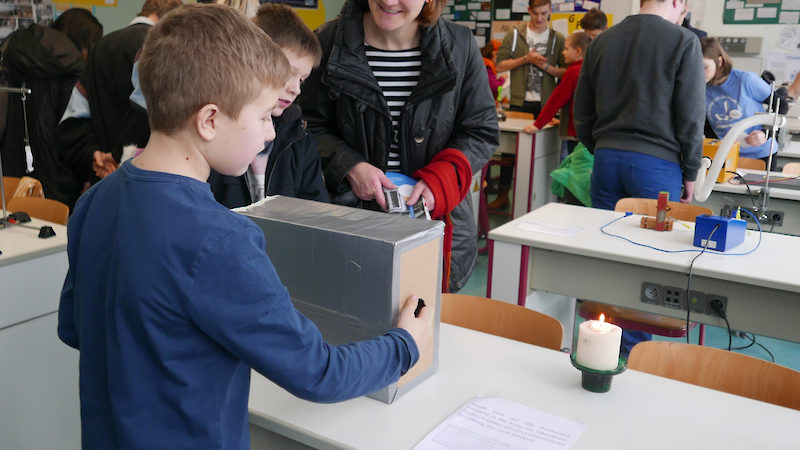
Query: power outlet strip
{"points": [[675, 298]]}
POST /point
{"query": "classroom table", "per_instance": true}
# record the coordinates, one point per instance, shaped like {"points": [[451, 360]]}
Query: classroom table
{"points": [[762, 289], [537, 155], [640, 411], [784, 200], [790, 152], [39, 406]]}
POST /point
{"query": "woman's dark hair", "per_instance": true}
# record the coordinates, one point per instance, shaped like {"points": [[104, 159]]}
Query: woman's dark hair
{"points": [[80, 26], [713, 50], [428, 16]]}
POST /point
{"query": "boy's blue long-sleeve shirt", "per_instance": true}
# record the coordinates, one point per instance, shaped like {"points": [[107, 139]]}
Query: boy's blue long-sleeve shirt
{"points": [[171, 299]]}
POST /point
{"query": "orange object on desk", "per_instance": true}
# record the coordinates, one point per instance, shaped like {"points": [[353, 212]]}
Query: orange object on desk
{"points": [[710, 147]]}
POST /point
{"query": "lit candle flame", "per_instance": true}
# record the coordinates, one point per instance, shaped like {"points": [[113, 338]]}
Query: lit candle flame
{"points": [[602, 317]]}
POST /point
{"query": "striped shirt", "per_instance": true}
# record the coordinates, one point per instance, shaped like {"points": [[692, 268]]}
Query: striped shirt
{"points": [[397, 72]]}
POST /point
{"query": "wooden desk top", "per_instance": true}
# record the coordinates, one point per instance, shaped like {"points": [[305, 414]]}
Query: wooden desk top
{"points": [[640, 411]]}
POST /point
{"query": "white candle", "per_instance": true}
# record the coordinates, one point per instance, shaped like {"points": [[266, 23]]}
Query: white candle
{"points": [[598, 344]]}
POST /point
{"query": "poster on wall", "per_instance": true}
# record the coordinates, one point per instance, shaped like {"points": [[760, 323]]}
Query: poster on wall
{"points": [[750, 12], [16, 14]]}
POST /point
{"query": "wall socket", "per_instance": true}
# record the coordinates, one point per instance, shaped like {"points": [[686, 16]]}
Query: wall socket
{"points": [[675, 298], [769, 217]]}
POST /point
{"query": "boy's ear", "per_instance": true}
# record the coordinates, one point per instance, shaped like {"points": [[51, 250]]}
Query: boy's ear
{"points": [[206, 121]]}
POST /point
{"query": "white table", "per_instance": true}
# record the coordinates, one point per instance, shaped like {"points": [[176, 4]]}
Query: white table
{"points": [[39, 406], [790, 153], [537, 155], [641, 410], [780, 199], [762, 288]]}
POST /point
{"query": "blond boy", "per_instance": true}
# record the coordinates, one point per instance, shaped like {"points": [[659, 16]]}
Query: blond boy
{"points": [[170, 297]]}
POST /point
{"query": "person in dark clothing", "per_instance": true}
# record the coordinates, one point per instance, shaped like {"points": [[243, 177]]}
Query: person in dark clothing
{"points": [[89, 128], [404, 91], [289, 165], [48, 61]]}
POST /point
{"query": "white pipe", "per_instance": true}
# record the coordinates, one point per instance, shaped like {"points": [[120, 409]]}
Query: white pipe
{"points": [[705, 181]]}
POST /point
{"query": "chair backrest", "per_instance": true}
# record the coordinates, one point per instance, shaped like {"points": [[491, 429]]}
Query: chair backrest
{"points": [[719, 369], [40, 208], [518, 115], [648, 207], [502, 319], [792, 168], [9, 187], [21, 187], [751, 163]]}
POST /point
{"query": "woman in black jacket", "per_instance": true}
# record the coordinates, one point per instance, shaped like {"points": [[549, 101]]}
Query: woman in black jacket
{"points": [[401, 89]]}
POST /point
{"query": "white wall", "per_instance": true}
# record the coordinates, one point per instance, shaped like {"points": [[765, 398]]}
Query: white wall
{"points": [[712, 24]]}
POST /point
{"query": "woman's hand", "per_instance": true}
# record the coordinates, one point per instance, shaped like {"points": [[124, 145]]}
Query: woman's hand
{"points": [[530, 129], [367, 182], [756, 138], [422, 189]]}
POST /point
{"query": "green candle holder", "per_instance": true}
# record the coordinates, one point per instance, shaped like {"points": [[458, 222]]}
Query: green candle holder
{"points": [[597, 380]]}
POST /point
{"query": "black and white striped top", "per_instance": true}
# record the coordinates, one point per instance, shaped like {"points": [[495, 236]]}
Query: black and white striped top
{"points": [[397, 72]]}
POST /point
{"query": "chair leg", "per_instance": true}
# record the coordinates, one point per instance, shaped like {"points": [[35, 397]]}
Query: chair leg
{"points": [[483, 212], [701, 340]]}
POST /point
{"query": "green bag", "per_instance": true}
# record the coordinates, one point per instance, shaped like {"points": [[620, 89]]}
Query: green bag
{"points": [[575, 174]]}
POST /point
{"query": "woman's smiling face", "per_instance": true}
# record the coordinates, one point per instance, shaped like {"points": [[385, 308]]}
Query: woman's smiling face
{"points": [[394, 15]]}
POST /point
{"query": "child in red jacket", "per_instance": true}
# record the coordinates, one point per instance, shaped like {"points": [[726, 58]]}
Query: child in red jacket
{"points": [[561, 98]]}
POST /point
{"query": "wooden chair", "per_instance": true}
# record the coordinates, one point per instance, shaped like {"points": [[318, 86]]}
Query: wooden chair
{"points": [[719, 369], [648, 207], [9, 187], [40, 208], [751, 163], [21, 187], [791, 168], [632, 319], [502, 319]]}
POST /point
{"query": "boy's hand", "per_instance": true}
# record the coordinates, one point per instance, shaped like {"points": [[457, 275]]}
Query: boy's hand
{"points": [[422, 189], [420, 328], [688, 191], [530, 129], [367, 182]]}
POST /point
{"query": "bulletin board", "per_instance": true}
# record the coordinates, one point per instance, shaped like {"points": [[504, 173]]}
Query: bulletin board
{"points": [[473, 14], [22, 13], [749, 12]]}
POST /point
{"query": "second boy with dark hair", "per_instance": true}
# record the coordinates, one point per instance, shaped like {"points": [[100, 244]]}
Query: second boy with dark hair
{"points": [[289, 165]]}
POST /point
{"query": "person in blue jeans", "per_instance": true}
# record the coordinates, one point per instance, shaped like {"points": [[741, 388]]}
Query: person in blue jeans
{"points": [[639, 106]]}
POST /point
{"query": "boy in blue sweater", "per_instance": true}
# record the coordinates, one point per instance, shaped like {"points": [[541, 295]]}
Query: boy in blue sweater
{"points": [[170, 297]]}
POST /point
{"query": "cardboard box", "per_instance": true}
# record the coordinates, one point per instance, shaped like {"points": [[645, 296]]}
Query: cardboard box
{"points": [[349, 270], [710, 147]]}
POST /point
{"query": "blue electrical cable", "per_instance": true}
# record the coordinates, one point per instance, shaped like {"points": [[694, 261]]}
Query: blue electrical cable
{"points": [[758, 244]]}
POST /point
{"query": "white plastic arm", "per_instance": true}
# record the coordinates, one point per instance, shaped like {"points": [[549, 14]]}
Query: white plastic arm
{"points": [[705, 181]]}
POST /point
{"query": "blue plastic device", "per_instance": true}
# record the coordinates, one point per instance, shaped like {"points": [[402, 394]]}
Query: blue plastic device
{"points": [[729, 234]]}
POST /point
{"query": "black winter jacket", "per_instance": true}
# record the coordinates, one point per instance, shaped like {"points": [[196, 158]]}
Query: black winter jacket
{"points": [[293, 168], [451, 107], [48, 63], [106, 84]]}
